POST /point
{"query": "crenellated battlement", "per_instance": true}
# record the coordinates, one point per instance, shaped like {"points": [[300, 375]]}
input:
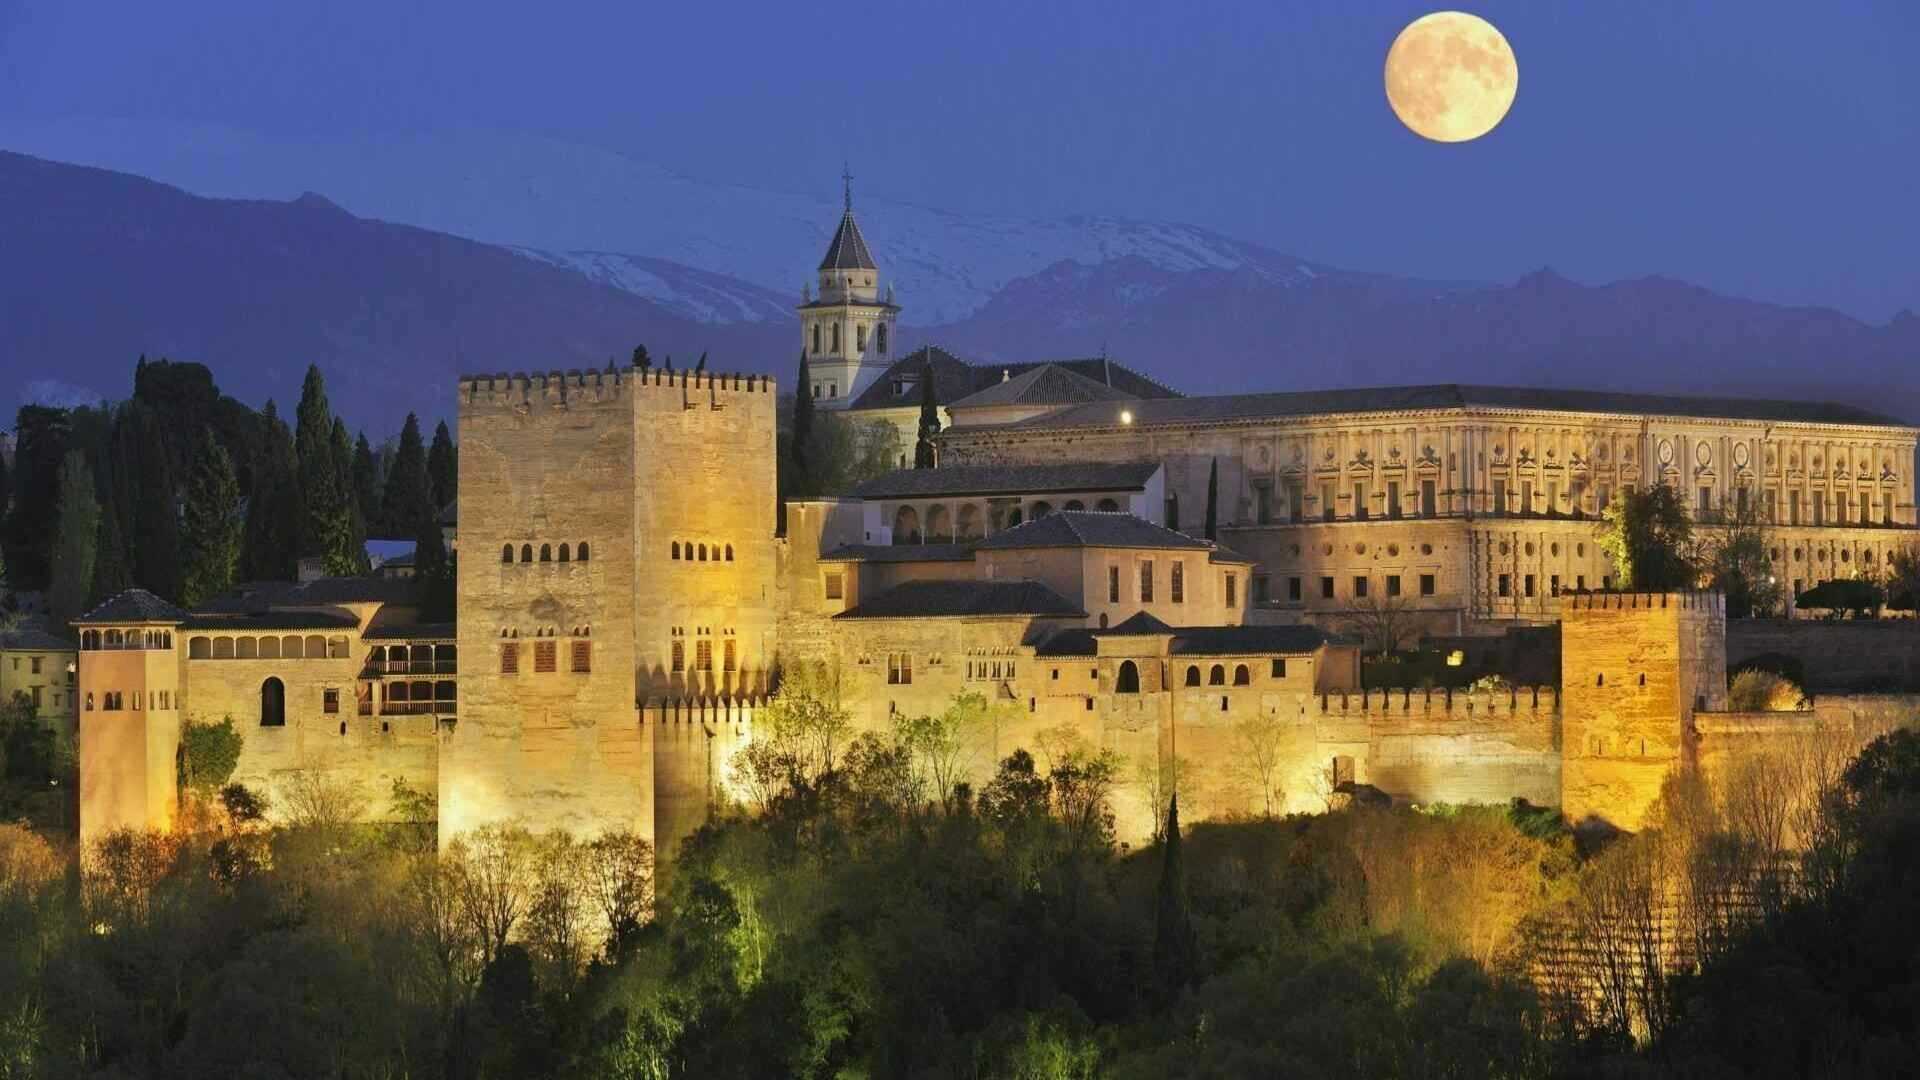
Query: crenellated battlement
{"points": [[1701, 600], [703, 380], [1441, 702], [515, 389], [717, 710]]}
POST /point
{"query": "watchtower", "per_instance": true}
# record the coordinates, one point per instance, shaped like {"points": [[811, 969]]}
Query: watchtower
{"points": [[129, 687]]}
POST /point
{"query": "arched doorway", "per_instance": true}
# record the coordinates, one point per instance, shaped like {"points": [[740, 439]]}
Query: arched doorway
{"points": [[273, 703], [967, 523], [1128, 681], [939, 524], [906, 526]]}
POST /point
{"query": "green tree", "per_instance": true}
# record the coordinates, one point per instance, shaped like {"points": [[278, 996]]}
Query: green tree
{"points": [[929, 418], [1903, 578], [434, 574], [443, 466], [366, 483], [273, 508], [208, 755], [41, 442], [1213, 500], [112, 571], [801, 437], [1176, 959], [212, 526], [144, 497], [1843, 596], [409, 494], [641, 361], [77, 534], [1649, 537], [1741, 569], [354, 553]]}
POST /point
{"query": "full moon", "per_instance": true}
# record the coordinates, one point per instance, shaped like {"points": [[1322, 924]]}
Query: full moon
{"points": [[1451, 76]]}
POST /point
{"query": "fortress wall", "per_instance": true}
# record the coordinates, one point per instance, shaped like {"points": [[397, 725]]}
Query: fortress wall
{"points": [[1840, 654], [1427, 747], [546, 459], [692, 744]]}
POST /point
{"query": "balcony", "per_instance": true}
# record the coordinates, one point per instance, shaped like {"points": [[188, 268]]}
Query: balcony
{"points": [[377, 669]]}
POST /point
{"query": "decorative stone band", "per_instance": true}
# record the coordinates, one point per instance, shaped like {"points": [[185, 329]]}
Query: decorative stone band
{"points": [[1692, 600], [1443, 702]]}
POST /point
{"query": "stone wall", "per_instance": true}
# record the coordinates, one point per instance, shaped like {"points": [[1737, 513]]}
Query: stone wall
{"points": [[1839, 655]]}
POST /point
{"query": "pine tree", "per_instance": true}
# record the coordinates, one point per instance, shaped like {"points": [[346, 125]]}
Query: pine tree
{"points": [[76, 531], [43, 436], [273, 510], [641, 361], [1213, 499], [409, 494], [366, 483], [1175, 948], [443, 467], [802, 427], [212, 533], [146, 500], [929, 418]]}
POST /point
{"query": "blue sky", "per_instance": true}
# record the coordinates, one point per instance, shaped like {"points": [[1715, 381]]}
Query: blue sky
{"points": [[1764, 148]]}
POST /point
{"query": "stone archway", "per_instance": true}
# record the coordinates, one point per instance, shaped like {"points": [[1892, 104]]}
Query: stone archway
{"points": [[906, 525]]}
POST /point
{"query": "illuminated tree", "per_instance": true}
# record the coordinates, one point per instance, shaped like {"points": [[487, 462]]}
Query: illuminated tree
{"points": [[1649, 537], [212, 525]]}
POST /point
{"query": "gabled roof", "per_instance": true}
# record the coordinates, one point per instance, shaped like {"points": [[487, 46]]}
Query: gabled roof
{"points": [[257, 596], [1226, 408], [900, 553], [848, 249], [1246, 640], [443, 631], [1091, 528], [937, 599], [1072, 641], [1048, 384], [954, 480], [133, 606], [954, 378], [1139, 624], [32, 635], [270, 620]]}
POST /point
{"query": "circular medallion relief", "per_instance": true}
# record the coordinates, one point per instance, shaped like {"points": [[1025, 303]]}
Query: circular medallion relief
{"points": [[1326, 549], [1359, 549], [1703, 454], [1820, 555], [1296, 551], [1799, 554], [1529, 547], [1580, 550], [1426, 549], [1504, 548], [1740, 455], [1266, 455], [1601, 452], [1845, 555], [1554, 548], [1666, 451], [1299, 454], [1393, 550]]}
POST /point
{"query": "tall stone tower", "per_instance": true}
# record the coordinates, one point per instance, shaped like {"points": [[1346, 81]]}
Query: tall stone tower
{"points": [[846, 332], [129, 686]]}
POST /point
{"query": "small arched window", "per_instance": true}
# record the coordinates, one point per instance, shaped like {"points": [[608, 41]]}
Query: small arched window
{"points": [[506, 553], [1600, 680], [729, 552], [1108, 506], [1073, 504], [703, 553], [1193, 675], [526, 552], [1241, 676], [836, 337], [583, 551], [676, 551], [1217, 676], [1128, 680], [546, 552], [880, 337], [816, 339], [564, 553], [273, 703]]}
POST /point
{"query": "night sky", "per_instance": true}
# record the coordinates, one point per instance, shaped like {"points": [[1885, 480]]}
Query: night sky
{"points": [[1760, 147]]}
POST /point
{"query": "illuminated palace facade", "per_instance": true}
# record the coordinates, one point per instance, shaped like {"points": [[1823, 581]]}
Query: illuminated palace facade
{"points": [[628, 593]]}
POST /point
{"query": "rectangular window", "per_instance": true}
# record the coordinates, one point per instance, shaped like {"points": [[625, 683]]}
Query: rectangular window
{"points": [[545, 657], [1261, 589], [1840, 508], [1426, 584], [836, 586], [1146, 581], [1526, 498], [1793, 507], [1606, 582], [1279, 667], [37, 659], [36, 696], [1360, 587], [1603, 498], [1293, 589], [1263, 503], [1553, 585], [1393, 584], [1819, 508], [582, 657], [329, 700], [1360, 508], [1866, 515], [1529, 585], [1328, 504], [1233, 591], [1505, 585], [1706, 501], [1580, 583], [899, 669], [1741, 501], [1177, 588], [679, 656], [1113, 584], [1296, 501], [1326, 588], [509, 658], [1499, 496], [1393, 498], [728, 660], [703, 655], [1428, 503]]}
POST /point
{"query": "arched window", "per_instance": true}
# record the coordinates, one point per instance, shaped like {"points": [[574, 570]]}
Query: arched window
{"points": [[199, 647], [1073, 504], [860, 338], [703, 553], [223, 648], [1128, 681], [967, 523], [546, 552], [316, 646], [836, 337], [506, 553], [1217, 676], [273, 703], [290, 647], [1193, 674], [115, 639], [880, 338], [729, 552], [1040, 509], [247, 648], [526, 552], [1241, 676], [1600, 680], [939, 526], [565, 553], [816, 339], [269, 648], [906, 525], [1103, 620], [676, 551], [1013, 517], [1108, 506], [583, 551]]}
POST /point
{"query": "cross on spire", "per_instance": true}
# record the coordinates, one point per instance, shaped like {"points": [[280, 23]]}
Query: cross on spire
{"points": [[846, 180]]}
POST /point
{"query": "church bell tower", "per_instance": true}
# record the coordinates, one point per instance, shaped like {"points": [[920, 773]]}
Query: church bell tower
{"points": [[846, 331]]}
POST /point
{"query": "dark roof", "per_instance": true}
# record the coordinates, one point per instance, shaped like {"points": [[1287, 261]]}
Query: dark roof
{"points": [[259, 596], [1233, 640], [1008, 480], [270, 620], [1230, 407], [1072, 641], [1091, 528], [1048, 384], [1139, 624], [848, 249], [438, 631], [1228, 555], [932, 599], [134, 606], [955, 378], [33, 635], [899, 553]]}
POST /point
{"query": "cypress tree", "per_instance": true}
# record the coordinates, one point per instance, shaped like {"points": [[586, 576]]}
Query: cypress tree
{"points": [[1175, 948], [929, 418], [1213, 498], [76, 532], [326, 524], [212, 533], [409, 494], [802, 427], [273, 510], [43, 437], [366, 483], [112, 571], [147, 501], [641, 360], [433, 571], [350, 554], [443, 467], [6, 488]]}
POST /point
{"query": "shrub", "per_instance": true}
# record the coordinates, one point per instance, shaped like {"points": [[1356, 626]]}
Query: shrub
{"points": [[1787, 667], [1755, 690], [208, 755], [1842, 596]]}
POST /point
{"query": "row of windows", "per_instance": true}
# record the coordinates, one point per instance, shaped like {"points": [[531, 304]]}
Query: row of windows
{"points": [[860, 340], [546, 655], [1242, 674], [439, 659], [91, 640], [567, 554], [1176, 584], [703, 655], [1529, 584], [287, 647], [964, 523], [116, 700], [38, 663], [688, 551]]}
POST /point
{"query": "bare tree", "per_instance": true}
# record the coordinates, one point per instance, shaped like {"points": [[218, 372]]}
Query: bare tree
{"points": [[560, 908], [1385, 624], [1259, 740], [945, 744], [432, 916], [495, 866], [620, 878], [316, 799], [1160, 777]]}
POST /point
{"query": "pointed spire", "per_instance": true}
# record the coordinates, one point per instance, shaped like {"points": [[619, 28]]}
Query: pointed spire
{"points": [[846, 181]]}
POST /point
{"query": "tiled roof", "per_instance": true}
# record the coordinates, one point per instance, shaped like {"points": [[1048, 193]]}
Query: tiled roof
{"points": [[955, 378], [257, 596], [1232, 407], [1140, 623], [1091, 528], [848, 250], [1073, 641], [899, 553], [270, 620], [31, 635], [443, 631], [1228, 555], [1241, 640], [1048, 384], [1008, 480], [134, 606], [932, 599]]}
